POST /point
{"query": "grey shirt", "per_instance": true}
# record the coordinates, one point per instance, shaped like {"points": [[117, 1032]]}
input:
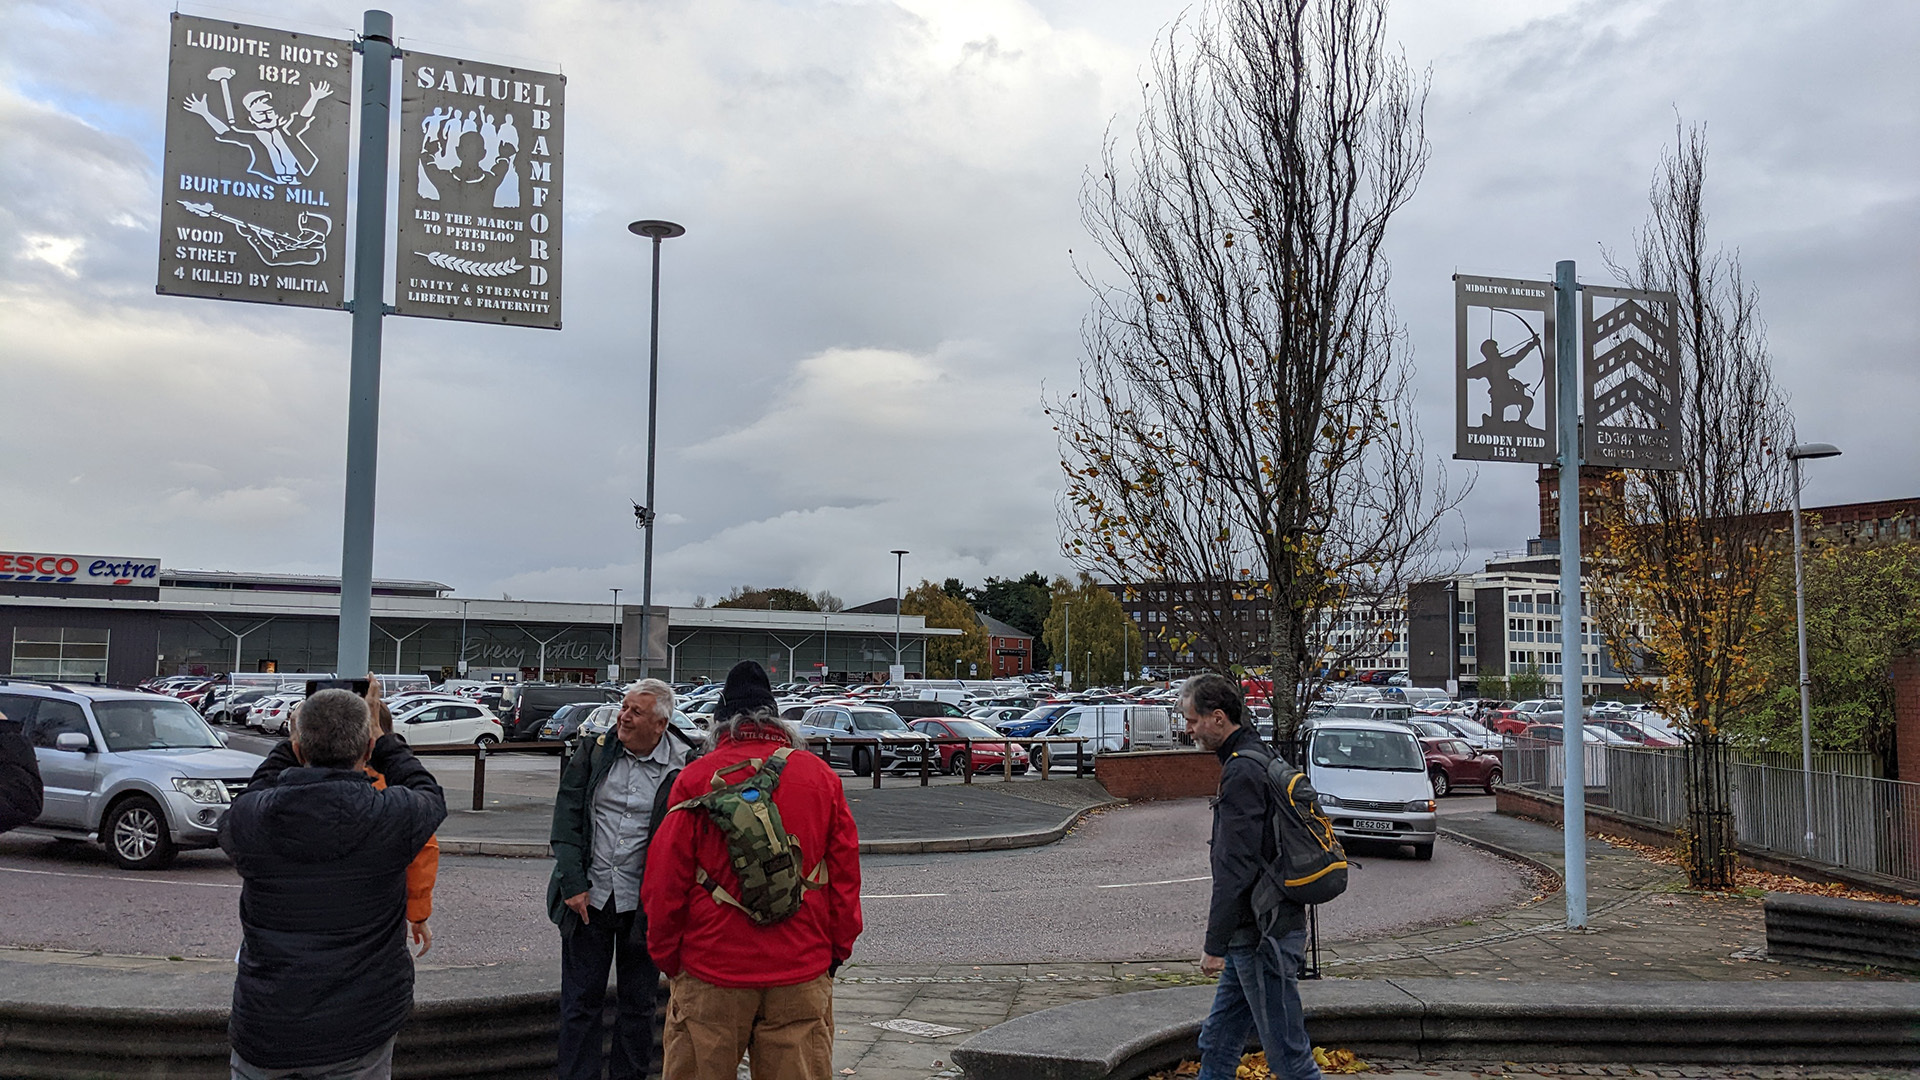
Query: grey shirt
{"points": [[622, 814]]}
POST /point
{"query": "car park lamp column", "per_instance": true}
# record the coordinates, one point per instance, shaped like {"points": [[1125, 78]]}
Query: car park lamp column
{"points": [[899, 565], [644, 515], [1796, 454]]}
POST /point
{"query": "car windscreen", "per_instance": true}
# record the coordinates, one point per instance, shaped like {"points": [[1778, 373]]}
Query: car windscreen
{"points": [[1043, 712], [877, 720], [972, 729], [152, 725], [1378, 751], [1431, 730], [1469, 727]]}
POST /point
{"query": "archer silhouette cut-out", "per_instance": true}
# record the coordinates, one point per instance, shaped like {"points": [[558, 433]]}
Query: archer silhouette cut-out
{"points": [[1504, 392]]}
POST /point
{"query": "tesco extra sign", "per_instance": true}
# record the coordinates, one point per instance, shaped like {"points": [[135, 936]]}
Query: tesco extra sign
{"points": [[78, 569]]}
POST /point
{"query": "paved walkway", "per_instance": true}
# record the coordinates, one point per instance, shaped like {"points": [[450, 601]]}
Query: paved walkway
{"points": [[1643, 925]]}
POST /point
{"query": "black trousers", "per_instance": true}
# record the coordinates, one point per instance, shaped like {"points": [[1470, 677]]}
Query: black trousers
{"points": [[588, 951]]}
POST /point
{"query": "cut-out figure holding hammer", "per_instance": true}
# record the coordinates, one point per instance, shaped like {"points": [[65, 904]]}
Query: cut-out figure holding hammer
{"points": [[281, 138]]}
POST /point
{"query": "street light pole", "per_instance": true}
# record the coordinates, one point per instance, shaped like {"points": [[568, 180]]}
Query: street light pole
{"points": [[1066, 644], [899, 564], [1795, 455], [655, 231], [462, 665], [614, 668]]}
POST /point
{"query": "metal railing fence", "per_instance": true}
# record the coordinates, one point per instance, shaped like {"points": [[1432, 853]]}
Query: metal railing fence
{"points": [[1864, 823]]}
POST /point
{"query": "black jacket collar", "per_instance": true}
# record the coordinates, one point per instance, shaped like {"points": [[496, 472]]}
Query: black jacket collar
{"points": [[1234, 742]]}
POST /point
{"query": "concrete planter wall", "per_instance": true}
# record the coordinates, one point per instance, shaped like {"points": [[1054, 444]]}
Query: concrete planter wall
{"points": [[1158, 774]]}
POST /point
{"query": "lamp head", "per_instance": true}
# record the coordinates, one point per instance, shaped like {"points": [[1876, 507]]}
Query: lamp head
{"points": [[1808, 451], [657, 230]]}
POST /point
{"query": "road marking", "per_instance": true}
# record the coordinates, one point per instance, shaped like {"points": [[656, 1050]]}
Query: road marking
{"points": [[117, 877], [899, 896], [1169, 881]]}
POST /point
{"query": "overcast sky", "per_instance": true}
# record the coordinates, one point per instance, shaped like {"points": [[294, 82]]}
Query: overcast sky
{"points": [[876, 284]]}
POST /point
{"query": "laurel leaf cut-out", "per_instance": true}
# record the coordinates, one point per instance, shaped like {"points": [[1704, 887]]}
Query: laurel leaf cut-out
{"points": [[471, 267]]}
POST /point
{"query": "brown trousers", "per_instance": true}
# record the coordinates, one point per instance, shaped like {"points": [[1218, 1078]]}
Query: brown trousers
{"points": [[788, 1030]]}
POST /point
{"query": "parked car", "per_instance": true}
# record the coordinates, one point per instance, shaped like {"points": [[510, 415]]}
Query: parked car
{"points": [[139, 773], [919, 708], [978, 757], [1372, 780], [536, 702], [998, 714], [862, 732], [566, 720], [1384, 711], [1468, 731], [447, 722], [233, 708], [1034, 721], [1636, 732], [273, 714], [1109, 729], [1452, 763], [1554, 733]]}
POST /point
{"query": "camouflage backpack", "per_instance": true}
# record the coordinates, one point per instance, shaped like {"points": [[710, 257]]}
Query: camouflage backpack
{"points": [[766, 858]]}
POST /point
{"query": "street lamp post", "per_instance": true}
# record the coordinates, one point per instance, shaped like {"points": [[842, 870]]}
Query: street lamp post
{"points": [[655, 231], [1796, 454], [613, 669], [462, 665], [899, 564], [1066, 644]]}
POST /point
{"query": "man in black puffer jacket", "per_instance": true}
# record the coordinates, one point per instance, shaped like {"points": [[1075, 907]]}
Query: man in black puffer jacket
{"points": [[325, 980]]}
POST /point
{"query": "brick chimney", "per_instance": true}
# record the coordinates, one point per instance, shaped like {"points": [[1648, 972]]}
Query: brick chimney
{"points": [[1602, 492], [1906, 716]]}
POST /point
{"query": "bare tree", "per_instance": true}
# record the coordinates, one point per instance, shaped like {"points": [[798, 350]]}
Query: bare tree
{"points": [[1685, 562], [1242, 428]]}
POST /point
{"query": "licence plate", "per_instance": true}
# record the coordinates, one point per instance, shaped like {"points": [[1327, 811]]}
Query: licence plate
{"points": [[1376, 826]]}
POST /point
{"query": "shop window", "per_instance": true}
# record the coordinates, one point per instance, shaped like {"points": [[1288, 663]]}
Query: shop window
{"points": [[55, 652]]}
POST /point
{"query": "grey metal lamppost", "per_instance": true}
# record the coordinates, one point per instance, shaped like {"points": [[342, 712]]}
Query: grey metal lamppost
{"points": [[644, 515], [614, 667], [899, 566], [1796, 454]]}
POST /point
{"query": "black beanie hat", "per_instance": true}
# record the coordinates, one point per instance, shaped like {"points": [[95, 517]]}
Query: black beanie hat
{"points": [[747, 689]]}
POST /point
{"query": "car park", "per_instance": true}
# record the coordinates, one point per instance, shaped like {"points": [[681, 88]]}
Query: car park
{"points": [[1372, 781], [234, 707], [273, 714], [860, 734], [1468, 731], [1034, 721], [1452, 764], [1383, 711], [919, 708], [1109, 729], [566, 720], [959, 757], [997, 714], [140, 774]]}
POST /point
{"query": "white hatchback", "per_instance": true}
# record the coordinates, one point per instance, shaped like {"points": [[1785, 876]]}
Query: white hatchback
{"points": [[441, 722]]}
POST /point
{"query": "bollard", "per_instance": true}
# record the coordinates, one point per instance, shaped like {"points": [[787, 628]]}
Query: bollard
{"points": [[1006, 762], [1042, 758], [923, 763], [966, 774], [1079, 759], [878, 768], [479, 776]]}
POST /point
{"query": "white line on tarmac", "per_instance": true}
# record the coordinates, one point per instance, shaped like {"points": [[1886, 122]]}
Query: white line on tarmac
{"points": [[1169, 881], [899, 896], [116, 877]]}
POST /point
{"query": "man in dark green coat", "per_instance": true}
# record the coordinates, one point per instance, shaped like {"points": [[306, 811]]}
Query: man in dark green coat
{"points": [[612, 793]]}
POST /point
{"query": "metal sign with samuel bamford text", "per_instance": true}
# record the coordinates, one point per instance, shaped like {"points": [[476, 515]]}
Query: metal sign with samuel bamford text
{"points": [[1504, 404], [254, 195], [480, 175], [1632, 377]]}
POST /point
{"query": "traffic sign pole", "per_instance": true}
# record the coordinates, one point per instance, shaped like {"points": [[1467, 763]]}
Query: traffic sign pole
{"points": [[1574, 792], [369, 308]]}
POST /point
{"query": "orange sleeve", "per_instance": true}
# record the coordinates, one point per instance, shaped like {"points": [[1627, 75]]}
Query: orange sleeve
{"points": [[421, 874]]}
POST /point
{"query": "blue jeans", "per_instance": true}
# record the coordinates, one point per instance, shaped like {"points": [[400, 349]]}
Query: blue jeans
{"points": [[1259, 991]]}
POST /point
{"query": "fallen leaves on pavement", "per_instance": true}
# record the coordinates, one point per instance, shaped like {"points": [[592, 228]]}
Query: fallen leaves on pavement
{"points": [[1254, 1066], [1752, 881]]}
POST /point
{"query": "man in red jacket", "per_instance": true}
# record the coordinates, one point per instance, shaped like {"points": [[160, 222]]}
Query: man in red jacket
{"points": [[739, 986]]}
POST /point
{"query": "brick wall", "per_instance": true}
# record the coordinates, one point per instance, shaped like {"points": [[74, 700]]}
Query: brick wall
{"points": [[1158, 774], [1906, 716]]}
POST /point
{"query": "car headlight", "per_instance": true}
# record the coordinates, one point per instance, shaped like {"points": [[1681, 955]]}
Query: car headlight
{"points": [[201, 791], [1420, 806], [1326, 799]]}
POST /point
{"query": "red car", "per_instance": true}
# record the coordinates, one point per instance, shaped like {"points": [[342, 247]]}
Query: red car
{"points": [[1451, 763], [984, 756]]}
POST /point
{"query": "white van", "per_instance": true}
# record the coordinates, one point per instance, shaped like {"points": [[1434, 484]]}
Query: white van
{"points": [[1109, 729], [1387, 712], [1373, 784]]}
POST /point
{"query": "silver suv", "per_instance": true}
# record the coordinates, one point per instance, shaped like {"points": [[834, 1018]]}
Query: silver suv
{"points": [[140, 773]]}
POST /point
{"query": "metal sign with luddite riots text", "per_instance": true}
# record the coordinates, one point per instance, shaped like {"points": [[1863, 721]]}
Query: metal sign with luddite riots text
{"points": [[1503, 366], [253, 203], [480, 175], [1632, 376]]}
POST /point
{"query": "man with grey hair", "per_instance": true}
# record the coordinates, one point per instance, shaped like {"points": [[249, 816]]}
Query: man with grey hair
{"points": [[612, 794], [324, 980]]}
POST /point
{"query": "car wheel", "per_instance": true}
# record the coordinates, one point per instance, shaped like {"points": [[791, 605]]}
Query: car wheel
{"points": [[1423, 852], [863, 763], [486, 742], [960, 763], [1493, 780], [136, 835], [1441, 785]]}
